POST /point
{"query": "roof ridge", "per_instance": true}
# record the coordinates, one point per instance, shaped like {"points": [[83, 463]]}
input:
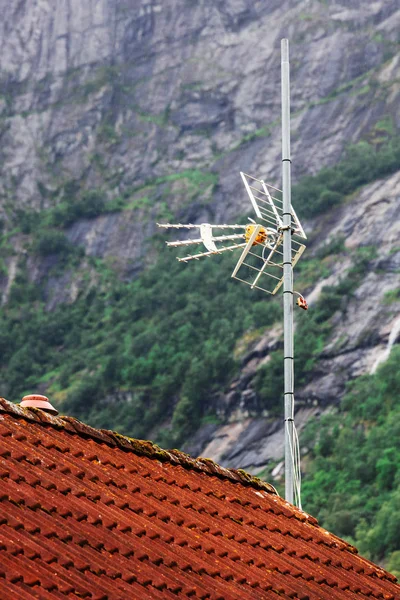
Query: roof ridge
{"points": [[140, 447], [152, 451]]}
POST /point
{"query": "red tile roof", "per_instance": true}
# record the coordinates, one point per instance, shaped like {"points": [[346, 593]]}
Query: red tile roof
{"points": [[92, 514]]}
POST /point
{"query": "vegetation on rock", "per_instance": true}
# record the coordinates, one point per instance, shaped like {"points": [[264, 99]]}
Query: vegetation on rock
{"points": [[363, 163], [353, 483]]}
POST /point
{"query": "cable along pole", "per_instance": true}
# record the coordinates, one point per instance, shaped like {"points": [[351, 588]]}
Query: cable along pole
{"points": [[287, 277]]}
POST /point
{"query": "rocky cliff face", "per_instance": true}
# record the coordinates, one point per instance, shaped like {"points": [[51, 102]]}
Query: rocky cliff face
{"points": [[156, 107], [366, 327], [116, 94]]}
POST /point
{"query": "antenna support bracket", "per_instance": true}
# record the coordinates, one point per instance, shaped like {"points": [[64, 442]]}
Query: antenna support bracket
{"points": [[286, 228]]}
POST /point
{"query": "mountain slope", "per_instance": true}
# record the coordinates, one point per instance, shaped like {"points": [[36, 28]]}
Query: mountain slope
{"points": [[117, 115]]}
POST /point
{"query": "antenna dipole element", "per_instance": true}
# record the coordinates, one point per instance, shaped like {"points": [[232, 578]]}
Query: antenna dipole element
{"points": [[287, 276]]}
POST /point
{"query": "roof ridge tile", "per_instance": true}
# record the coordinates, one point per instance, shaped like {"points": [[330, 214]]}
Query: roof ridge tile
{"points": [[140, 447]]}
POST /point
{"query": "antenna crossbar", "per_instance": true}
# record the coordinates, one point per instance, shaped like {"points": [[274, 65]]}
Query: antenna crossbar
{"points": [[261, 181], [268, 203], [219, 238], [191, 226], [259, 272], [210, 253], [271, 214], [271, 203], [257, 287]]}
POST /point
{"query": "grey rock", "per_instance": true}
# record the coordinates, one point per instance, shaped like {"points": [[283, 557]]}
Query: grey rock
{"points": [[204, 433]]}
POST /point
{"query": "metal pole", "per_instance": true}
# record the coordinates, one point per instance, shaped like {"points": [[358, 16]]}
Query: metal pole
{"points": [[287, 276]]}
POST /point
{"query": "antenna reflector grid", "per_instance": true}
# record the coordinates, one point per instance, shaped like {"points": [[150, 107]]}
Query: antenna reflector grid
{"points": [[261, 266], [268, 204]]}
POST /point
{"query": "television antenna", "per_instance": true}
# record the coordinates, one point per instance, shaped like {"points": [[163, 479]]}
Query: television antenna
{"points": [[261, 262], [270, 247]]}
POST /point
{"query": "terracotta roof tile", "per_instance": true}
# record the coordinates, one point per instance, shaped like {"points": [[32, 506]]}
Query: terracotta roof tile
{"points": [[94, 514]]}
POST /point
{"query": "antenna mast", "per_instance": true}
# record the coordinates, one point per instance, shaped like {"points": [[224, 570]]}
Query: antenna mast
{"points": [[268, 255], [287, 277]]}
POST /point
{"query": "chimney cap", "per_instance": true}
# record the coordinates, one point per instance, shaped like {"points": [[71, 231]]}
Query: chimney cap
{"points": [[38, 401]]}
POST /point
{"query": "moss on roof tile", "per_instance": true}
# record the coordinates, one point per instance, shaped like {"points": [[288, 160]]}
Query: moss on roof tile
{"points": [[139, 447]]}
